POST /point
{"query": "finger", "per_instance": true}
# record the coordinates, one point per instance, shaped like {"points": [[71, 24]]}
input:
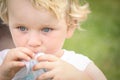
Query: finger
{"points": [[28, 52], [23, 53], [45, 64], [49, 58], [16, 64], [47, 76], [21, 56], [15, 55]]}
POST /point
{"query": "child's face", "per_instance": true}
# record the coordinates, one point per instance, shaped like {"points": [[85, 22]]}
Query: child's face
{"points": [[38, 30]]}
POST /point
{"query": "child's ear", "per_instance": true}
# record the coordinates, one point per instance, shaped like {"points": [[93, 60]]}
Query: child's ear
{"points": [[71, 28], [70, 32]]}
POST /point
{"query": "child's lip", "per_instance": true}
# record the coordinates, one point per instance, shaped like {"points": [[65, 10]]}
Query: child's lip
{"points": [[37, 50]]}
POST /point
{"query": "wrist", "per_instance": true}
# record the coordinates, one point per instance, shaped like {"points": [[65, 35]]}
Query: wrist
{"points": [[3, 77]]}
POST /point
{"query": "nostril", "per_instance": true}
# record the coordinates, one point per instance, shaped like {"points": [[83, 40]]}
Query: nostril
{"points": [[34, 40], [34, 49], [34, 43]]}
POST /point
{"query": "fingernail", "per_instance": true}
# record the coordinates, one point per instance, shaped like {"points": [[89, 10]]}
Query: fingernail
{"points": [[33, 55], [22, 64]]}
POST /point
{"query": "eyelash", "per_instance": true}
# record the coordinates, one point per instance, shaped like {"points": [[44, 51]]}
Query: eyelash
{"points": [[22, 28], [47, 29]]}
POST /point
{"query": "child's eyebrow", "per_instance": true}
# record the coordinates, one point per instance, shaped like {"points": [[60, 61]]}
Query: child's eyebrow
{"points": [[16, 24], [47, 26]]}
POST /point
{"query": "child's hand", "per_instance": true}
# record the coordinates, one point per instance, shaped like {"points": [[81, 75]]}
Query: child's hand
{"points": [[58, 69], [13, 62]]}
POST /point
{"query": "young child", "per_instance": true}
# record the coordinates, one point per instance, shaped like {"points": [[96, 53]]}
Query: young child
{"points": [[41, 26]]}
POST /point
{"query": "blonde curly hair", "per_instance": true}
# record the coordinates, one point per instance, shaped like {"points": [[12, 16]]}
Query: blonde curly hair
{"points": [[71, 9]]}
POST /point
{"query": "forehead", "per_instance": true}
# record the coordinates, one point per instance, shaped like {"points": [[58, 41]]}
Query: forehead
{"points": [[22, 10]]}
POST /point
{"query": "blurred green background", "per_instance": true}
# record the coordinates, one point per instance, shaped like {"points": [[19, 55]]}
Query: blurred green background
{"points": [[101, 40]]}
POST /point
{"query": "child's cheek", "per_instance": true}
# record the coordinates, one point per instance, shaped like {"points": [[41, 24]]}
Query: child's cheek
{"points": [[53, 49]]}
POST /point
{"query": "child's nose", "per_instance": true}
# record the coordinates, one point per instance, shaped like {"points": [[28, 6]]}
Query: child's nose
{"points": [[34, 41]]}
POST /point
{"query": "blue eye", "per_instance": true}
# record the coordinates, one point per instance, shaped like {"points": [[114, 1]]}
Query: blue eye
{"points": [[22, 28], [46, 29]]}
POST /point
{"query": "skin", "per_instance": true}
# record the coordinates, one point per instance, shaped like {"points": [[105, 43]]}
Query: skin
{"points": [[40, 31]]}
